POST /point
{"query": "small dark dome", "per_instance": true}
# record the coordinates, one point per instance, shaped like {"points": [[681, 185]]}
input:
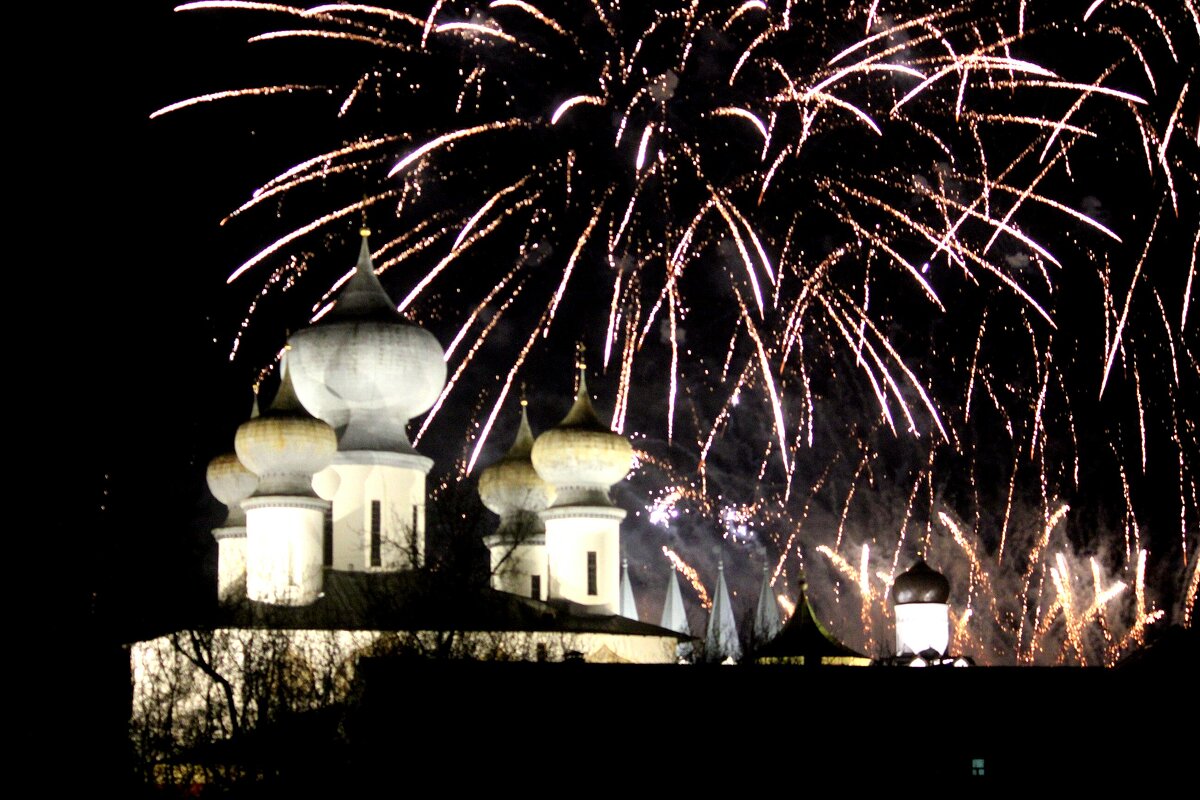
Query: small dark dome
{"points": [[921, 584]]}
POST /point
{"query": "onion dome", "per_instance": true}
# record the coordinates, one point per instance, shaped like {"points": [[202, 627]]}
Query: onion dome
{"points": [[581, 456], [326, 483], [921, 584], [285, 446], [231, 483], [512, 485], [363, 369]]}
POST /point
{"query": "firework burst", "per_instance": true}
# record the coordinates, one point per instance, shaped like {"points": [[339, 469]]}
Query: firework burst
{"points": [[828, 252]]}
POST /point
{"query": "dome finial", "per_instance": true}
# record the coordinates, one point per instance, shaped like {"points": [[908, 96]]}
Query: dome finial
{"points": [[581, 366], [524, 401]]}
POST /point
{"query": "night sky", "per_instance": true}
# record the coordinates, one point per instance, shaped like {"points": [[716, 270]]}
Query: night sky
{"points": [[161, 397]]}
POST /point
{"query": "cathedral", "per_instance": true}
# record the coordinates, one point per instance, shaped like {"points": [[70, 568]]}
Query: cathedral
{"points": [[326, 480], [320, 560], [325, 535]]}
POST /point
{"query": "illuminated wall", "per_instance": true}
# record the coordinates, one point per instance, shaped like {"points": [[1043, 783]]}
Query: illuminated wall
{"points": [[572, 532], [920, 626], [514, 565], [231, 562], [284, 549], [396, 481]]}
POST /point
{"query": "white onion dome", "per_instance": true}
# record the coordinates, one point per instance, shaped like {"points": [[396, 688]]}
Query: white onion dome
{"points": [[231, 483], [921, 584], [581, 456], [512, 485], [363, 369], [285, 446]]}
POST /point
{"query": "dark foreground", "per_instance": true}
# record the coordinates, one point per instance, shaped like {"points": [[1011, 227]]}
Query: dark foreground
{"points": [[569, 729], [742, 728]]}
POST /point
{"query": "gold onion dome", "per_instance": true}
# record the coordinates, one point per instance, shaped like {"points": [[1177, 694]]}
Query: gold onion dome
{"points": [[365, 370], [285, 445], [581, 456], [231, 483], [512, 485]]}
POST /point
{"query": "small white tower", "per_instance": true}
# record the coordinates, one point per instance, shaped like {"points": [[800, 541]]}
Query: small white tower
{"points": [[367, 372], [231, 483], [767, 623], [583, 458], [921, 599], [721, 637], [512, 488], [674, 615], [285, 519]]}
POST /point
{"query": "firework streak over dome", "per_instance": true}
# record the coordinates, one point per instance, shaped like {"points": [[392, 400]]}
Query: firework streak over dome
{"points": [[860, 279]]}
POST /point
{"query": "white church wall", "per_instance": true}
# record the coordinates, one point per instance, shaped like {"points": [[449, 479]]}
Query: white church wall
{"points": [[571, 534], [399, 488], [284, 549], [920, 626], [231, 564], [513, 567]]}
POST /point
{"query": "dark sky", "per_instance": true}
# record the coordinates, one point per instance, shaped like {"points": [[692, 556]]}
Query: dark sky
{"points": [[148, 263], [146, 260]]}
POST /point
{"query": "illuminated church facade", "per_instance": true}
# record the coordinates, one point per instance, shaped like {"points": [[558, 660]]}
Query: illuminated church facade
{"points": [[325, 535], [326, 480], [323, 548]]}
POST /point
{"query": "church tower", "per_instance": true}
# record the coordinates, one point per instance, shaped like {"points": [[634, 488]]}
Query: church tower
{"points": [[365, 371], [231, 483], [512, 488], [920, 599], [285, 520], [582, 458]]}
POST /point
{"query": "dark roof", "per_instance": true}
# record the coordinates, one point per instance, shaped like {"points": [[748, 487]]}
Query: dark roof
{"points": [[804, 637], [416, 601]]}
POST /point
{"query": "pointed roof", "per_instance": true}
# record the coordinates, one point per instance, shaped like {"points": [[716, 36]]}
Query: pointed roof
{"points": [[582, 416], [674, 617], [766, 617], [522, 446], [363, 297], [285, 403], [721, 637], [804, 640], [628, 606]]}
